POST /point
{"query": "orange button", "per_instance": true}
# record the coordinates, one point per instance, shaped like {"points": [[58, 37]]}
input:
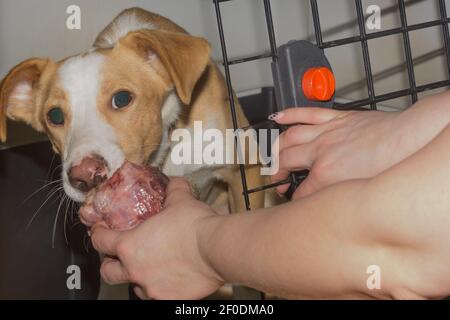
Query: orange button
{"points": [[318, 84]]}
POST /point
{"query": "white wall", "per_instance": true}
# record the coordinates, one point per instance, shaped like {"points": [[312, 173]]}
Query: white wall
{"points": [[37, 28]]}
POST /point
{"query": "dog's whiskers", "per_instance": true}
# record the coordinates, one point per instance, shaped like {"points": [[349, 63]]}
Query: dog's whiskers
{"points": [[50, 167], [54, 171], [55, 223], [71, 209], [52, 193], [67, 206], [38, 190]]}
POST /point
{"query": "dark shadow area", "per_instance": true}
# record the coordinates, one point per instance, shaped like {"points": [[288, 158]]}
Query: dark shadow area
{"points": [[35, 253]]}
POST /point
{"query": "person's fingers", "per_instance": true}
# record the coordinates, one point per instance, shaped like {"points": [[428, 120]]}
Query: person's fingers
{"points": [[178, 184], [307, 187], [105, 240], [292, 159], [283, 188], [113, 272], [295, 158], [280, 175], [140, 293], [178, 190], [299, 134], [304, 115]]}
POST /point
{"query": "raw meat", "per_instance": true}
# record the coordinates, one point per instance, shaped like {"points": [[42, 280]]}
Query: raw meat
{"points": [[133, 194]]}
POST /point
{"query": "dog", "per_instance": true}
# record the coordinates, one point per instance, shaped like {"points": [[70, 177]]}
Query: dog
{"points": [[144, 77]]}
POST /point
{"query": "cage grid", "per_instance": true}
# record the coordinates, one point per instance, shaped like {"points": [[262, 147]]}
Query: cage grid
{"points": [[372, 100]]}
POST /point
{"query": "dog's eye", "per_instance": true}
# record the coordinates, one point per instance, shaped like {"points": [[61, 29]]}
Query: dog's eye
{"points": [[121, 99], [56, 116]]}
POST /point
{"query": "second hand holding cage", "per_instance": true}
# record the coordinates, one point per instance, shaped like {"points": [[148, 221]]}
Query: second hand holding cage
{"points": [[369, 103]]}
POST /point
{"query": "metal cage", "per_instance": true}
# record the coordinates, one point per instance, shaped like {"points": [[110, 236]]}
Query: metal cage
{"points": [[372, 100]]}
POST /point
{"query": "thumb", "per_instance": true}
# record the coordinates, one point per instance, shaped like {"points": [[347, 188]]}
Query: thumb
{"points": [[178, 190]]}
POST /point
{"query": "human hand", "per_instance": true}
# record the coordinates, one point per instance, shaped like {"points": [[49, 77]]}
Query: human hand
{"points": [[343, 145], [161, 256]]}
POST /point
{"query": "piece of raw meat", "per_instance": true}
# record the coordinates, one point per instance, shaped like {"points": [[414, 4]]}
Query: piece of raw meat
{"points": [[133, 194]]}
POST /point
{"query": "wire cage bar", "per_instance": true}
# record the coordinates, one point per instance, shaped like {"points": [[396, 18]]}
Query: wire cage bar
{"points": [[372, 100]]}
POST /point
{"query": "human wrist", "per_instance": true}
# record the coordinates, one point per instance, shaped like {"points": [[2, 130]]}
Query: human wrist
{"points": [[434, 109], [206, 228], [424, 120]]}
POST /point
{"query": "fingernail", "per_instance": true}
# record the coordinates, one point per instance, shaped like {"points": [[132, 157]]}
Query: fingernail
{"points": [[276, 116]]}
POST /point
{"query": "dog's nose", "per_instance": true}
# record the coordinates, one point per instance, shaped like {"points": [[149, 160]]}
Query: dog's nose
{"points": [[88, 174]]}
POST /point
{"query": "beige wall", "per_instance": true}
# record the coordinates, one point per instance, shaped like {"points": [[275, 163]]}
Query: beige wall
{"points": [[37, 28]]}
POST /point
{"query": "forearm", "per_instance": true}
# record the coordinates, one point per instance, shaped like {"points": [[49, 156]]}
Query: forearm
{"points": [[322, 245], [421, 123], [318, 247]]}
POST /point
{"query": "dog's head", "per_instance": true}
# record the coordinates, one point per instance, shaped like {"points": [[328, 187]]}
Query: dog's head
{"points": [[107, 105]]}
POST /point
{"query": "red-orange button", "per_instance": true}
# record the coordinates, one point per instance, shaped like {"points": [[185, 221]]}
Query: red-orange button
{"points": [[318, 84]]}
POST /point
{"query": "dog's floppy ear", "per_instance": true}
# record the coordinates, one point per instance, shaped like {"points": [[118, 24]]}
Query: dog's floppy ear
{"points": [[184, 57], [17, 93]]}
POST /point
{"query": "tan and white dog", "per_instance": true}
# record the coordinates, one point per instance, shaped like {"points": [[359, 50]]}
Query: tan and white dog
{"points": [[144, 77]]}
